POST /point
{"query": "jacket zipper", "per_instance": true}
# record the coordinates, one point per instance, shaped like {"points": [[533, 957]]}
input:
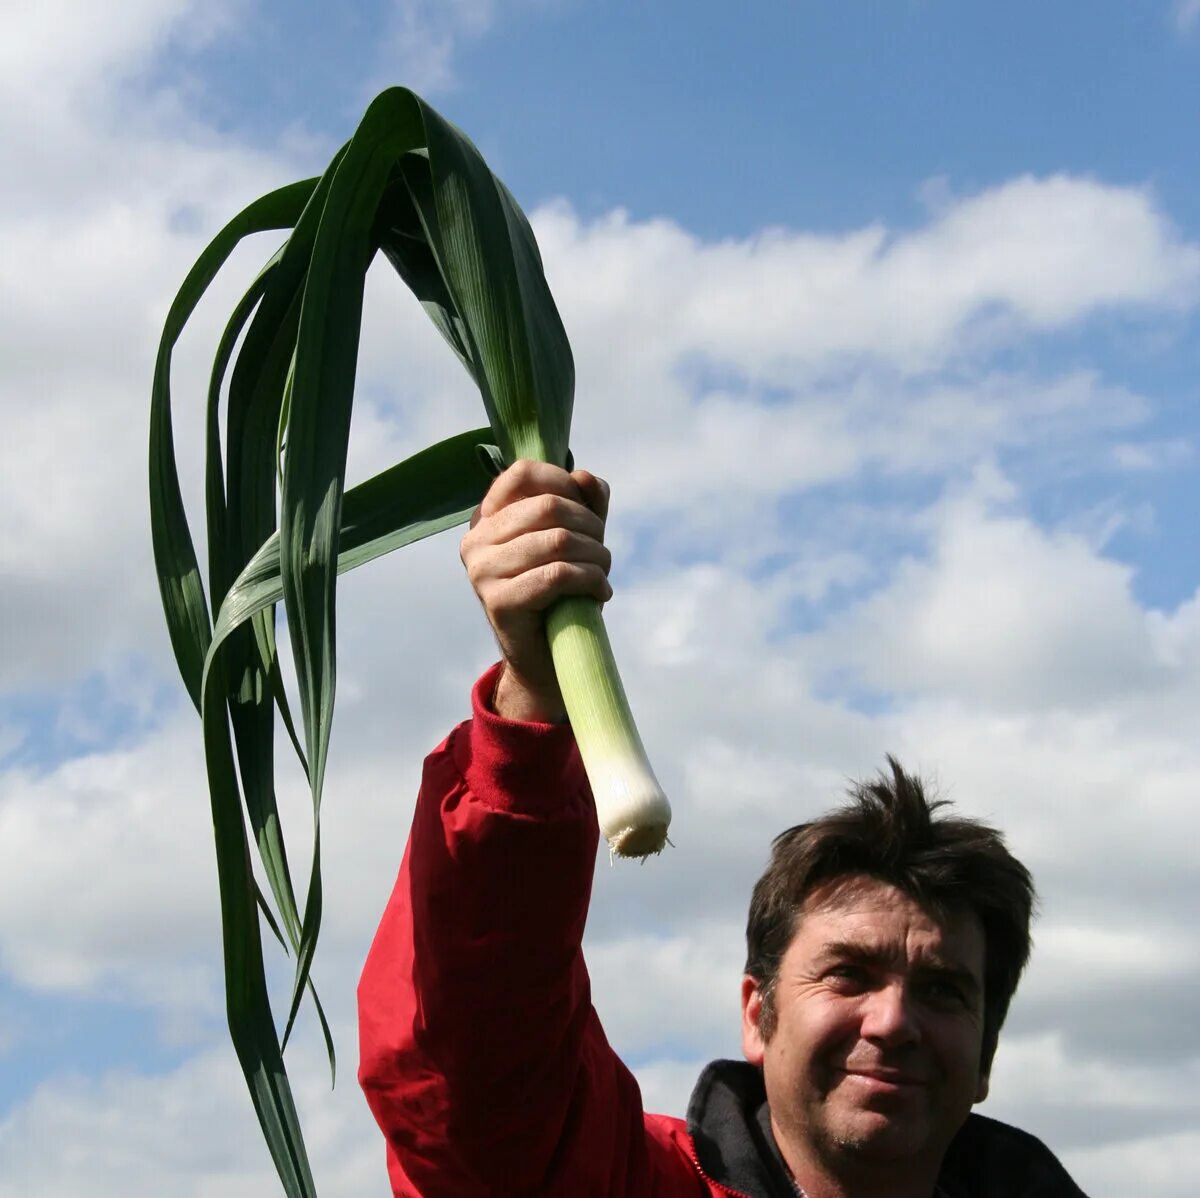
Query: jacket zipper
{"points": [[712, 1181]]}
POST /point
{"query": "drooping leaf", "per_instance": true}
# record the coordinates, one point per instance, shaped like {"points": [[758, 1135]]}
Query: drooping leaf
{"points": [[411, 184], [182, 591]]}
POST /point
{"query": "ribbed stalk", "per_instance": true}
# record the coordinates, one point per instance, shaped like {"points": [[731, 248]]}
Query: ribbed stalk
{"points": [[632, 810]]}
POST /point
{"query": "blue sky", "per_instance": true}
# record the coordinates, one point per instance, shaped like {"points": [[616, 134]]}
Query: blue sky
{"points": [[885, 321], [818, 115]]}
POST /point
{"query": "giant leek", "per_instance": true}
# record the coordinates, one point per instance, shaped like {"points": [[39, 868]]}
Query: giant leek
{"points": [[412, 186]]}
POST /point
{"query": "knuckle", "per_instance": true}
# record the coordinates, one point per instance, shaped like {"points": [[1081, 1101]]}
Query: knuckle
{"points": [[501, 598], [558, 573], [549, 508], [522, 470], [498, 602]]}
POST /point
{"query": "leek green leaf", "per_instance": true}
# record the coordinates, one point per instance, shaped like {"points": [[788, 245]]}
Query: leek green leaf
{"points": [[281, 524]]}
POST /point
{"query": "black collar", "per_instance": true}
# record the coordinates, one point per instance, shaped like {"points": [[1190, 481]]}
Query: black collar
{"points": [[730, 1127]]}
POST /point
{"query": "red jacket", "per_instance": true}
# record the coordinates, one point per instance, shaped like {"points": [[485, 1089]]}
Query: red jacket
{"points": [[482, 1057]]}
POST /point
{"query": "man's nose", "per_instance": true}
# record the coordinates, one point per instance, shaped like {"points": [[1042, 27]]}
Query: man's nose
{"points": [[889, 1016]]}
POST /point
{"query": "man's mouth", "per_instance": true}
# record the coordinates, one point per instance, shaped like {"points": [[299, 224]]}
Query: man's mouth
{"points": [[885, 1080]]}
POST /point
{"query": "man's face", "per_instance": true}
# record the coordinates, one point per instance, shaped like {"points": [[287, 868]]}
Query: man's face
{"points": [[875, 1053]]}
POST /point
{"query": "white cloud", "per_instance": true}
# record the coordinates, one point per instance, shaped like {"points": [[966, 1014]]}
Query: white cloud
{"points": [[1153, 1166], [106, 874], [1003, 613], [1100, 1106], [1168, 453], [1032, 254], [190, 1132], [64, 41], [1155, 955], [1031, 244], [420, 39], [637, 983], [667, 1085], [1185, 14], [90, 272]]}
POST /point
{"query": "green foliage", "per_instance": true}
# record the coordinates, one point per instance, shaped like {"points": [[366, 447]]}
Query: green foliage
{"points": [[413, 186]]}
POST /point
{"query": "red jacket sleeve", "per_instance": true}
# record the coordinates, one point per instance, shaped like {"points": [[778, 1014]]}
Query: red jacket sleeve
{"points": [[481, 1055]]}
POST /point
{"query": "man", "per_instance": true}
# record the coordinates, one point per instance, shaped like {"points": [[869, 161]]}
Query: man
{"points": [[884, 944]]}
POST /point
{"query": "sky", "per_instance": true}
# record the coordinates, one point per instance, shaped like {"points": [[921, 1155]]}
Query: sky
{"points": [[885, 324]]}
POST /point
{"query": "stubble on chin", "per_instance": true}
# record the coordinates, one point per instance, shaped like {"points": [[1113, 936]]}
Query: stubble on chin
{"points": [[870, 1136]]}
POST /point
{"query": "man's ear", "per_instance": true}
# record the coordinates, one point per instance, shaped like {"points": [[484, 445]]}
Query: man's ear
{"points": [[754, 1044]]}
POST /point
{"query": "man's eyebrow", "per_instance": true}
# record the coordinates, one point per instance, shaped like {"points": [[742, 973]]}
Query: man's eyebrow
{"points": [[849, 950]]}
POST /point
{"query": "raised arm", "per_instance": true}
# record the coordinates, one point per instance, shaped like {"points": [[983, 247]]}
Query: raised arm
{"points": [[482, 1057]]}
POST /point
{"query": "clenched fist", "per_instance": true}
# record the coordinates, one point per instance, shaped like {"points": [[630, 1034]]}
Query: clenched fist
{"points": [[538, 535]]}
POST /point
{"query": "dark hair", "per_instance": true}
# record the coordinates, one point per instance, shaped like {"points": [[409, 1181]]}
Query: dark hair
{"points": [[888, 831]]}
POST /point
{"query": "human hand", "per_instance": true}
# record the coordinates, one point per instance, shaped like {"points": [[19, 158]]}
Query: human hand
{"points": [[537, 536]]}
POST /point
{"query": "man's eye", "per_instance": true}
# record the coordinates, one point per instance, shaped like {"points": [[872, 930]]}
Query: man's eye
{"points": [[848, 975], [944, 993]]}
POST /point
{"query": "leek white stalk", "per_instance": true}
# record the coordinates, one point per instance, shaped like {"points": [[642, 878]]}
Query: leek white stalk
{"points": [[631, 808]]}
